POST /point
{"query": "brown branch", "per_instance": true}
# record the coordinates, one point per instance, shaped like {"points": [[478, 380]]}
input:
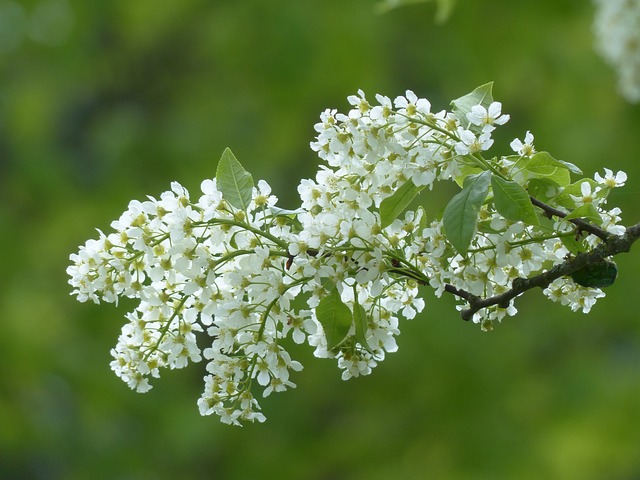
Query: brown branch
{"points": [[578, 222], [614, 244]]}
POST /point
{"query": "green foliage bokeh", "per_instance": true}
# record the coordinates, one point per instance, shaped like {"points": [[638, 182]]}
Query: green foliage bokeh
{"points": [[103, 102]]}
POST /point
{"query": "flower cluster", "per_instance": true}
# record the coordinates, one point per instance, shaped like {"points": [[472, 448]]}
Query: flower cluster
{"points": [[231, 278], [195, 267], [617, 30]]}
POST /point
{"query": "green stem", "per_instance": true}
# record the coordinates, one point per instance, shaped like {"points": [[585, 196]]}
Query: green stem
{"points": [[221, 221], [165, 328], [520, 243], [431, 125], [265, 314], [410, 271], [485, 164], [238, 253]]}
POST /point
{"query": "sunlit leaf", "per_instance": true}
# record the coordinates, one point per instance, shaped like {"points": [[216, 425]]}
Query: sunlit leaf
{"points": [[480, 96], [233, 181], [572, 168], [541, 165], [512, 201]]}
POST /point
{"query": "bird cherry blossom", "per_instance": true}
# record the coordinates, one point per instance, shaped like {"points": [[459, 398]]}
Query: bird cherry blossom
{"points": [[230, 279]]}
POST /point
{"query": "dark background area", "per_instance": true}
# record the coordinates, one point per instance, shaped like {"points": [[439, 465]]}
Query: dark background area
{"points": [[105, 101]]}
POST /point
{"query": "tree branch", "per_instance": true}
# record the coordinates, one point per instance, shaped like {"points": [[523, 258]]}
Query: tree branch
{"points": [[578, 222], [613, 245]]}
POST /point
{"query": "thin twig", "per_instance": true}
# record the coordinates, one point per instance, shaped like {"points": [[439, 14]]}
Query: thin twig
{"points": [[578, 222]]}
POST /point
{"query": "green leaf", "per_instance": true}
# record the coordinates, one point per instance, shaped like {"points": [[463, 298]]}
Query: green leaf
{"points": [[465, 171], [461, 213], [572, 168], [596, 275], [335, 318], [480, 96], [422, 215], [512, 201], [586, 211], [289, 217], [361, 324], [233, 181], [277, 211], [543, 188], [541, 165], [394, 205], [328, 285], [574, 244], [232, 242]]}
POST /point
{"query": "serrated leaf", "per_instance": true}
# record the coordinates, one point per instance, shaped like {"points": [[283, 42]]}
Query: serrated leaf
{"points": [[461, 213], [512, 201], [233, 181], [394, 205], [335, 318], [480, 96], [361, 324], [586, 211]]}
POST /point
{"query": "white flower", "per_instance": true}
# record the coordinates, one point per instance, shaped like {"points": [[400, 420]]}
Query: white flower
{"points": [[587, 195], [410, 104], [470, 143], [526, 148], [617, 30], [250, 280], [262, 198], [412, 304], [360, 102], [610, 180], [610, 221], [382, 111], [487, 118]]}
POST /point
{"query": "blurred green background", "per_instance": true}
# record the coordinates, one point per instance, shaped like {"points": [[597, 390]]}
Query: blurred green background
{"points": [[105, 101]]}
